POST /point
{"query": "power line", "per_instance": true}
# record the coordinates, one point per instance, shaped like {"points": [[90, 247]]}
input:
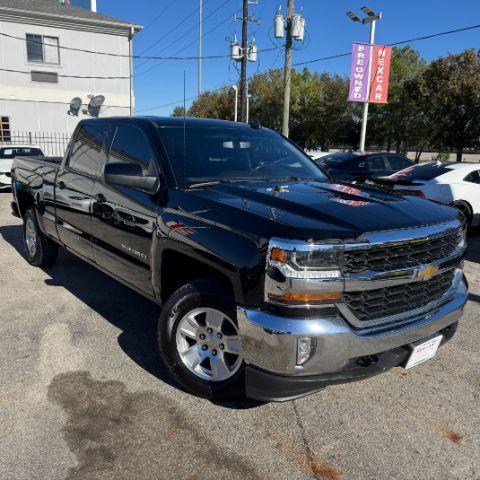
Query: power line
{"points": [[154, 57], [154, 19], [165, 35], [190, 44], [411, 40], [330, 57], [86, 77], [179, 38]]}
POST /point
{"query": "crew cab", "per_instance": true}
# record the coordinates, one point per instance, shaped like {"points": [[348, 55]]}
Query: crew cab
{"points": [[275, 281]]}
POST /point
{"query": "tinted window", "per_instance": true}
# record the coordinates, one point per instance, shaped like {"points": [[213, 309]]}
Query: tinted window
{"points": [[130, 145], [213, 153], [88, 151], [337, 160], [375, 164], [427, 171], [473, 177], [13, 152], [398, 162]]}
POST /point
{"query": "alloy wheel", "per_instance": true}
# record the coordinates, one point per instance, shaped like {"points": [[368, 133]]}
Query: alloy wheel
{"points": [[209, 345]]}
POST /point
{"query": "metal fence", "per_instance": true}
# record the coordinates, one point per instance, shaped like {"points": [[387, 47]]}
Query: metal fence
{"points": [[52, 144]]}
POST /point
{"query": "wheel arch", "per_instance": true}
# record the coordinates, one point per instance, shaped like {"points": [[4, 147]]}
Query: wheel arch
{"points": [[180, 268]]}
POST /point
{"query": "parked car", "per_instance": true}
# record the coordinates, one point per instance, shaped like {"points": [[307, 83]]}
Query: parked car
{"points": [[7, 154], [361, 167], [274, 280], [456, 184]]}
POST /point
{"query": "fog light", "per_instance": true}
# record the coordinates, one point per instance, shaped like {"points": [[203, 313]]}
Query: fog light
{"points": [[305, 349]]}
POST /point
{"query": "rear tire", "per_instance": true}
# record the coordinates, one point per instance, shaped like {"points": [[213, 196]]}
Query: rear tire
{"points": [[199, 341], [39, 251]]}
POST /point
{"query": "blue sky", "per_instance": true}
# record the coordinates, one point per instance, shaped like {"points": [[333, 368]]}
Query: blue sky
{"points": [[329, 32]]}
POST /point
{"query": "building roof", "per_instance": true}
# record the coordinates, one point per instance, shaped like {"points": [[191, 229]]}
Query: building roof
{"points": [[53, 13]]}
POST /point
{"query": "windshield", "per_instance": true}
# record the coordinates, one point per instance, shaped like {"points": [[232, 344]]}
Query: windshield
{"points": [[427, 171], [234, 154], [12, 152]]}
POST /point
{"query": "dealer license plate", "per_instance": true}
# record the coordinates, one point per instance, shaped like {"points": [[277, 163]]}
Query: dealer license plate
{"points": [[424, 351]]}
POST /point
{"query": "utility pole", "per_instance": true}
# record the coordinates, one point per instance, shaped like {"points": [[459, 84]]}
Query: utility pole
{"points": [[243, 74], [200, 47], [371, 18], [288, 69]]}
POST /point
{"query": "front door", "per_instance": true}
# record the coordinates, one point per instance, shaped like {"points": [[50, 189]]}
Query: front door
{"points": [[124, 217], [74, 188]]}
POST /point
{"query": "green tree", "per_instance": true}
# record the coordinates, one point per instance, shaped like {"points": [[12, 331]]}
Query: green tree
{"points": [[391, 123], [449, 92], [178, 112]]}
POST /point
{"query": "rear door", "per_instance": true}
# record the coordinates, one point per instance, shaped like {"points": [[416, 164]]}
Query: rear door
{"points": [[376, 166], [124, 217], [74, 187], [395, 163]]}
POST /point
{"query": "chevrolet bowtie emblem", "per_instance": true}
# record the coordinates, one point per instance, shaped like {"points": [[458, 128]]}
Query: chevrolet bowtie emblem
{"points": [[428, 272]]}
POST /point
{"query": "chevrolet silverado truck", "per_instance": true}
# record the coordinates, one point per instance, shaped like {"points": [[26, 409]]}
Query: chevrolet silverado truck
{"points": [[274, 281]]}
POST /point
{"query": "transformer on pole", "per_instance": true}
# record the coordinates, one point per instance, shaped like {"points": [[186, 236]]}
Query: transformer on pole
{"points": [[295, 26], [244, 53]]}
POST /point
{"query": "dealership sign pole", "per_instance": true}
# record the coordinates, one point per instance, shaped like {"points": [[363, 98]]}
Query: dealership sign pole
{"points": [[366, 57]]}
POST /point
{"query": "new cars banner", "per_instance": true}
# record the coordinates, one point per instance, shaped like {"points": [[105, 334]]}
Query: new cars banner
{"points": [[380, 74], [361, 55]]}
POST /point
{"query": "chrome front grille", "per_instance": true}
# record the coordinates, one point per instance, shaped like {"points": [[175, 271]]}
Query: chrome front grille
{"points": [[402, 255], [384, 302]]}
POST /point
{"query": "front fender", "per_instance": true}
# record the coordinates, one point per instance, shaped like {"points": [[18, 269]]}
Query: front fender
{"points": [[235, 255]]}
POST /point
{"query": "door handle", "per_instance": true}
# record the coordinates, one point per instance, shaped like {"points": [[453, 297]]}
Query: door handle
{"points": [[61, 185], [100, 197]]}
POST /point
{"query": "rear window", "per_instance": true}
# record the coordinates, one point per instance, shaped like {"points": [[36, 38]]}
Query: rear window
{"points": [[13, 152], [427, 171], [337, 159]]}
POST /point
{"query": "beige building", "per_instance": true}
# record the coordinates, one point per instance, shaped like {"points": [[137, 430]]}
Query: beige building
{"points": [[39, 76]]}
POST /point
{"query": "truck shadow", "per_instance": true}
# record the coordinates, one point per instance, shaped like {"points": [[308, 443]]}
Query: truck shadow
{"points": [[133, 314], [473, 240]]}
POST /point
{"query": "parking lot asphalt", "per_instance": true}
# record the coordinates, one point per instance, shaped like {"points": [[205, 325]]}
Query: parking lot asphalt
{"points": [[82, 396]]}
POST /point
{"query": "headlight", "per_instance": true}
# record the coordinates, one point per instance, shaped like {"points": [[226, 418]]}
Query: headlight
{"points": [[303, 274]]}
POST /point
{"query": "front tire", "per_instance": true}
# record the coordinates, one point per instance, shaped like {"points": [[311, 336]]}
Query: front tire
{"points": [[199, 341], [466, 211], [39, 251]]}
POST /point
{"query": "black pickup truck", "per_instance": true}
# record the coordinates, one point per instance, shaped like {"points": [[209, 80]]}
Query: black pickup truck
{"points": [[274, 280]]}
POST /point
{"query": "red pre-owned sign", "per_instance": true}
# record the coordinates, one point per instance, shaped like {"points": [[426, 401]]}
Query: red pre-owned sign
{"points": [[380, 74]]}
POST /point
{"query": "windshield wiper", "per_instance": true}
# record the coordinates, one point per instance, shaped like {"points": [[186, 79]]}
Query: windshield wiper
{"points": [[203, 184]]}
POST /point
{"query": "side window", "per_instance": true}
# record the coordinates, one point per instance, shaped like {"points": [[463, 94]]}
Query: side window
{"points": [[398, 163], [88, 151], [375, 164], [473, 177], [130, 145]]}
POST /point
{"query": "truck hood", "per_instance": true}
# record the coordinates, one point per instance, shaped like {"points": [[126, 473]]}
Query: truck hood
{"points": [[312, 210]]}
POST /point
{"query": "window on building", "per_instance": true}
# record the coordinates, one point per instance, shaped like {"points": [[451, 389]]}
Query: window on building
{"points": [[5, 129], [42, 49]]}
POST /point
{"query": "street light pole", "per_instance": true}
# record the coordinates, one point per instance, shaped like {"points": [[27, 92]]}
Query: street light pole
{"points": [[200, 47], [363, 131], [371, 18], [235, 114]]}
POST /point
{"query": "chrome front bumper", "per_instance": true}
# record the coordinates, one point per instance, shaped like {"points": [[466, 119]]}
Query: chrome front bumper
{"points": [[270, 342]]}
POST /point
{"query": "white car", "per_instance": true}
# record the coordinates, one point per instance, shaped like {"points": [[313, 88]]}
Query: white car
{"points": [[456, 184], [7, 154]]}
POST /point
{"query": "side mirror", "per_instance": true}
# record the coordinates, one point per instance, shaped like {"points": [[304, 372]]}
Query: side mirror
{"points": [[130, 175]]}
